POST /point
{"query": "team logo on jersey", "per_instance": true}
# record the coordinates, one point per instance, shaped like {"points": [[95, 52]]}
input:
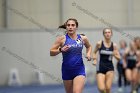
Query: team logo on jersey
{"points": [[77, 44], [107, 49], [106, 52], [78, 41]]}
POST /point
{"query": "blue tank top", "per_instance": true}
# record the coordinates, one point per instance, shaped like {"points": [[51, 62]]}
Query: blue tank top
{"points": [[73, 57]]}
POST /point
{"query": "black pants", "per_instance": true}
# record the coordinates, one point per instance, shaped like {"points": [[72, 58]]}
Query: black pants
{"points": [[121, 74]]}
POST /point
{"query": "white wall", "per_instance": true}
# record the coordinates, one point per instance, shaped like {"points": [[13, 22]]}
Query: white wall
{"points": [[45, 12], [136, 13], [2, 15], [33, 46], [50, 13], [114, 11]]}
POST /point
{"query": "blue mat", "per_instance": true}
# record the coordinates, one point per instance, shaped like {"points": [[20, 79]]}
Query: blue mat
{"points": [[54, 89]]}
